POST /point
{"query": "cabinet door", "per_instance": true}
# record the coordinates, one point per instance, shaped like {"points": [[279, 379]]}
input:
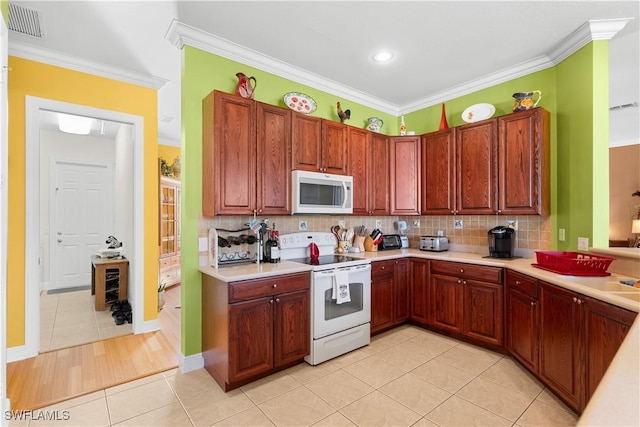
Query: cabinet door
{"points": [[250, 338], [446, 295], [522, 319], [292, 331], [274, 167], [606, 327], [229, 155], [483, 312], [523, 147], [359, 145], [381, 295], [379, 186], [419, 295], [168, 219], [476, 168], [306, 141], [438, 178], [401, 290], [560, 341], [334, 147], [405, 175]]}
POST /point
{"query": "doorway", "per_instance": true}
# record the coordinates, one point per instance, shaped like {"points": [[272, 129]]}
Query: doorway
{"points": [[126, 175]]}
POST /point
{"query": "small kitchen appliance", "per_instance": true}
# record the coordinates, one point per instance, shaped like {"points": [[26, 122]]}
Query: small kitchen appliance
{"points": [[434, 243], [502, 242], [390, 241], [321, 193], [402, 230], [338, 324]]}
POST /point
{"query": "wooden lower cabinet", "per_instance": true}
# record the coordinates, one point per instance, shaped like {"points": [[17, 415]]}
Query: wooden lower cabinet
{"points": [[389, 293], [253, 328], [419, 290], [467, 300], [578, 338], [521, 312]]}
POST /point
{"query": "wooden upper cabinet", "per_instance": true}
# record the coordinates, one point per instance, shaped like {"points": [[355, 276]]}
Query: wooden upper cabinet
{"points": [[477, 168], [523, 147], [438, 173], [274, 151], [368, 163], [404, 170], [379, 177], [306, 140], [228, 155], [334, 147], [319, 145]]}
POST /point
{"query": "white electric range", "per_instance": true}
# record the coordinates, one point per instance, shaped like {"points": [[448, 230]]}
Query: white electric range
{"points": [[340, 295]]}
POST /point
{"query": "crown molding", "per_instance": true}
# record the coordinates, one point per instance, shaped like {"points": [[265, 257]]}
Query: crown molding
{"points": [[180, 34], [39, 54], [602, 29]]}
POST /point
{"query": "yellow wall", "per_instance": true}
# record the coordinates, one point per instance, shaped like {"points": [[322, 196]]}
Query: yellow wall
{"points": [[168, 152], [60, 84]]}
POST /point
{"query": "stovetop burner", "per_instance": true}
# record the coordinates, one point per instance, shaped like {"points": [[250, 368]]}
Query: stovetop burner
{"points": [[324, 260]]}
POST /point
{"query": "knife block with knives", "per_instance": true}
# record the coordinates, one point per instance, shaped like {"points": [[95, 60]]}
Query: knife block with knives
{"points": [[372, 241]]}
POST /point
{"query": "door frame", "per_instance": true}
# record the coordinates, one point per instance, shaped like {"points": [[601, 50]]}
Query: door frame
{"points": [[53, 247], [135, 251]]}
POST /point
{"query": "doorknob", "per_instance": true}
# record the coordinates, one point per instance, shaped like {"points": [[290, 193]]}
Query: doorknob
{"points": [[59, 233], [59, 241]]}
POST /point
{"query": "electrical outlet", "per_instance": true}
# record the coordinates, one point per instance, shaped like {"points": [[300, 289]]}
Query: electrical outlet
{"points": [[341, 223], [561, 236], [512, 224], [302, 225], [583, 243], [378, 223], [416, 223], [202, 244], [457, 224]]}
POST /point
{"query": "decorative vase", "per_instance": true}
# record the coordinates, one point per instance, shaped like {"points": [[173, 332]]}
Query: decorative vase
{"points": [[524, 100], [161, 300], [443, 120], [176, 167]]}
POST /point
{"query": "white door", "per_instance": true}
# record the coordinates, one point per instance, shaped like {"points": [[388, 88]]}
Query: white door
{"points": [[83, 217]]}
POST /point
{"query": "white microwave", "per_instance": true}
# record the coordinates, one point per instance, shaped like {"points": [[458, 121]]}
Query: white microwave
{"points": [[321, 193]]}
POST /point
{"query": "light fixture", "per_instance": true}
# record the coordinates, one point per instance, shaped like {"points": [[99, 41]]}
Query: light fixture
{"points": [[382, 56], [74, 124], [635, 229]]}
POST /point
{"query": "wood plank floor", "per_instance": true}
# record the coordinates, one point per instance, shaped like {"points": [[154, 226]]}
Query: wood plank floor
{"points": [[70, 372]]}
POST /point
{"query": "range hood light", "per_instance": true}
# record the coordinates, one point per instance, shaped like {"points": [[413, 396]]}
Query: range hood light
{"points": [[74, 124]]}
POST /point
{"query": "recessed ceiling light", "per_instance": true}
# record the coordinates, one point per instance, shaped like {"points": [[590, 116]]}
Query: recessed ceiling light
{"points": [[382, 56]]}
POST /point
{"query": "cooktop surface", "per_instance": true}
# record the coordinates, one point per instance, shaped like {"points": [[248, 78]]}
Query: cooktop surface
{"points": [[325, 260]]}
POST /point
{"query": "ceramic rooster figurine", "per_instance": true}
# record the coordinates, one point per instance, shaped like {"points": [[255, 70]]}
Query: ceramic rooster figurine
{"points": [[244, 87], [344, 115]]}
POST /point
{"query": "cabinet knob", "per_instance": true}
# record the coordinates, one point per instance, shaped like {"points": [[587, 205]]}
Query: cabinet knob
{"points": [[275, 285], [459, 281], [383, 267], [462, 270], [277, 299], [270, 301], [533, 303], [464, 282], [518, 282], [575, 299], [579, 301]]}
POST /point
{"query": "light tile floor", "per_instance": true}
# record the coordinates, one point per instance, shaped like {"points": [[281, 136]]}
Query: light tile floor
{"points": [[69, 319], [405, 377]]}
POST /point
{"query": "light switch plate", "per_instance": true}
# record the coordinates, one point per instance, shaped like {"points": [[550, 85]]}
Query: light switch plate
{"points": [[458, 224], [416, 223], [583, 243], [302, 225], [202, 244]]}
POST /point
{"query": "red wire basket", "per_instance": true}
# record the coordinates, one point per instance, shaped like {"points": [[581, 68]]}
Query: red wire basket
{"points": [[573, 263]]}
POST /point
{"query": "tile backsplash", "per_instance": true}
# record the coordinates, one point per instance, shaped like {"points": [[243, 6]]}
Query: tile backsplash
{"points": [[533, 233]]}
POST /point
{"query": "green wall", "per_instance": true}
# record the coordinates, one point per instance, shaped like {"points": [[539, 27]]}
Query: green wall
{"points": [[583, 146], [568, 93]]}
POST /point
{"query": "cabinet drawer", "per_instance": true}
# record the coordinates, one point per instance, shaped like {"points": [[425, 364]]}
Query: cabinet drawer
{"points": [[164, 263], [168, 276], [174, 260], [525, 284], [257, 288], [468, 271], [382, 267]]}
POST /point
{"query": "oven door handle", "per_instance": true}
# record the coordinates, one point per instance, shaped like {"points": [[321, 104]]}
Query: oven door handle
{"points": [[332, 272]]}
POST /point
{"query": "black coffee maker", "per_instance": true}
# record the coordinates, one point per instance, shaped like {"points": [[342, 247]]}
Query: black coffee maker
{"points": [[502, 242]]}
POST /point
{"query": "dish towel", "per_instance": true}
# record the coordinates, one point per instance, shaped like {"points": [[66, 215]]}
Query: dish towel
{"points": [[341, 287]]}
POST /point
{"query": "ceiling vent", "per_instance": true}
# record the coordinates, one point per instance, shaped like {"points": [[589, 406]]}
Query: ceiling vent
{"points": [[623, 106], [25, 20]]}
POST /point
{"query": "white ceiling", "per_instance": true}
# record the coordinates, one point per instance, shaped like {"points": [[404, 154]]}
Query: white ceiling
{"points": [[441, 47]]}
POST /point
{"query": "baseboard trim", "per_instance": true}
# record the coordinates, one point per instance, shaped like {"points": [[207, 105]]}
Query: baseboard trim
{"points": [[190, 363]]}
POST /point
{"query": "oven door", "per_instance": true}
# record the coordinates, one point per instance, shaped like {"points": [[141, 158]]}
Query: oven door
{"points": [[329, 317]]}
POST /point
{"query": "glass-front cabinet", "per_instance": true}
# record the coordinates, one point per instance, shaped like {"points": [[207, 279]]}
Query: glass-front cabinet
{"points": [[169, 263]]}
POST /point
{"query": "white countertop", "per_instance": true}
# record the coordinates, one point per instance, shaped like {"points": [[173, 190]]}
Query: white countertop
{"points": [[615, 401]]}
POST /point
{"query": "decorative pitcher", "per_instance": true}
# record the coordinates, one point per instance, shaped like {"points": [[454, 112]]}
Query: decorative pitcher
{"points": [[524, 100], [244, 88], [375, 124]]}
